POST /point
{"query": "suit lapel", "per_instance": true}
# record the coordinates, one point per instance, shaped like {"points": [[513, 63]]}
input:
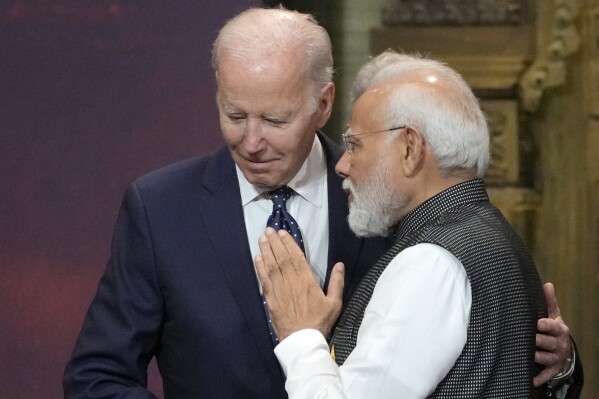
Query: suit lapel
{"points": [[223, 214]]}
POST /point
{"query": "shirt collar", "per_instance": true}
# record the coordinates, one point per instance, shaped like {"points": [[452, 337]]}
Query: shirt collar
{"points": [[309, 182]]}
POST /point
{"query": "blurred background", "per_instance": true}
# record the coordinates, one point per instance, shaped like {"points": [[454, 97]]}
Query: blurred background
{"points": [[96, 93], [92, 95]]}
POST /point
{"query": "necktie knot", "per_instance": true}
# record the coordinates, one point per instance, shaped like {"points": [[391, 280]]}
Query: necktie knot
{"points": [[280, 196], [280, 217]]}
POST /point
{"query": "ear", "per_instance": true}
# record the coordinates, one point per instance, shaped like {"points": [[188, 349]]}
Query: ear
{"points": [[325, 104], [412, 153]]}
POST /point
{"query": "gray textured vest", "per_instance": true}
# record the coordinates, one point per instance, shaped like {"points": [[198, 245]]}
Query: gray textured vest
{"points": [[507, 296]]}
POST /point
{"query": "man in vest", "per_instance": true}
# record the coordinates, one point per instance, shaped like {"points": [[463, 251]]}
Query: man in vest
{"points": [[451, 309]]}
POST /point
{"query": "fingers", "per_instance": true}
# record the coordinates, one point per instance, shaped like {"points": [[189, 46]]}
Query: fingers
{"points": [[544, 376], [275, 252], [336, 283], [552, 364], [268, 258], [287, 252], [553, 337], [276, 244], [553, 348], [547, 359], [546, 342], [291, 245], [263, 275], [335, 292], [331, 308], [554, 328], [551, 300]]}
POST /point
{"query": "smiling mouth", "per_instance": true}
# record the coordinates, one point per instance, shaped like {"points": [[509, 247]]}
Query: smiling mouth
{"points": [[259, 166], [256, 160]]}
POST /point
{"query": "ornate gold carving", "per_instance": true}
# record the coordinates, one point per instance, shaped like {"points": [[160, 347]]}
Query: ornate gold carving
{"points": [[502, 118], [455, 12], [556, 38]]}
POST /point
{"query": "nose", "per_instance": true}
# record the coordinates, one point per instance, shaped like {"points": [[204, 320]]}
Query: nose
{"points": [[342, 167], [253, 139]]}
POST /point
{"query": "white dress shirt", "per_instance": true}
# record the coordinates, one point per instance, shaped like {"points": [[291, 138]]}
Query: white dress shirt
{"points": [[413, 331], [309, 207]]}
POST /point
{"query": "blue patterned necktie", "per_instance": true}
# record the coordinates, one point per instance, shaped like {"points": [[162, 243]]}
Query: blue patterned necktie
{"points": [[281, 219]]}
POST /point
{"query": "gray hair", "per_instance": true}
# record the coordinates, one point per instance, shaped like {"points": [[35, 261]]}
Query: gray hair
{"points": [[385, 66], [260, 32], [451, 122]]}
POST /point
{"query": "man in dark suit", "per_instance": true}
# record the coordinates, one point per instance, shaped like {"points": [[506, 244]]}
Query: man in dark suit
{"points": [[180, 284]]}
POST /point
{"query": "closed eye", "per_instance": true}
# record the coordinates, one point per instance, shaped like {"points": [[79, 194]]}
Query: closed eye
{"points": [[236, 117], [276, 122]]}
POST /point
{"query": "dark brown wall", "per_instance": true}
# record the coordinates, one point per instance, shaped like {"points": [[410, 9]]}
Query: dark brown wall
{"points": [[92, 95]]}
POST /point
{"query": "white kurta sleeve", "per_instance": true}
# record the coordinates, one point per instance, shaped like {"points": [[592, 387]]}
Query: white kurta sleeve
{"points": [[413, 331]]}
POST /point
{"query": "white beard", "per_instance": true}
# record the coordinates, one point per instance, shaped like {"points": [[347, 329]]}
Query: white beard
{"points": [[374, 205]]}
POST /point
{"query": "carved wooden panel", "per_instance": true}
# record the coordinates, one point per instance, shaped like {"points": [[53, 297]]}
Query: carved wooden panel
{"points": [[489, 57], [502, 118], [456, 12], [557, 37]]}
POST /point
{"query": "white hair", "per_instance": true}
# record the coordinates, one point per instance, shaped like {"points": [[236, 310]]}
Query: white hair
{"points": [[388, 64], [260, 32], [450, 120]]}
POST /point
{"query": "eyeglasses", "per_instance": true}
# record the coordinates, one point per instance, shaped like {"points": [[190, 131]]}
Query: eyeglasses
{"points": [[349, 138]]}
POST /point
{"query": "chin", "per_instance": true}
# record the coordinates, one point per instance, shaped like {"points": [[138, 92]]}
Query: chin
{"points": [[365, 224], [265, 182]]}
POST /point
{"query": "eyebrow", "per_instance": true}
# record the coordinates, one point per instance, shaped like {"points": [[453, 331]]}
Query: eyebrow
{"points": [[284, 115]]}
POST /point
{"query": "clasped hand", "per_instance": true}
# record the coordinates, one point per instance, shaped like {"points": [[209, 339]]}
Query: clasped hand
{"points": [[294, 298], [554, 346]]}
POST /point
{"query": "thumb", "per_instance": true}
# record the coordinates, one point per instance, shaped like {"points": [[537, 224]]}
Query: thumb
{"points": [[551, 300], [336, 284]]}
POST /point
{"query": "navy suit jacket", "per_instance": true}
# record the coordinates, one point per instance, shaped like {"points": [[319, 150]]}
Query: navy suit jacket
{"points": [[180, 285]]}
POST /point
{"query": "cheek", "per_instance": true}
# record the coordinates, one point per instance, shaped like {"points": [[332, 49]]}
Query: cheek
{"points": [[232, 135], [281, 143], [302, 145], [358, 169]]}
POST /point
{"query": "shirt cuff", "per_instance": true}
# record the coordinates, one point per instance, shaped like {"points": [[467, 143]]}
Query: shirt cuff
{"points": [[297, 344], [307, 364]]}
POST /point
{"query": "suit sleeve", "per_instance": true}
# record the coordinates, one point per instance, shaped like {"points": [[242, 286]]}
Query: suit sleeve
{"points": [[577, 380], [121, 330]]}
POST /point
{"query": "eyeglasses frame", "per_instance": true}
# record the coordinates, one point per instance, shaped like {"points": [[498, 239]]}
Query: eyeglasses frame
{"points": [[347, 136]]}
